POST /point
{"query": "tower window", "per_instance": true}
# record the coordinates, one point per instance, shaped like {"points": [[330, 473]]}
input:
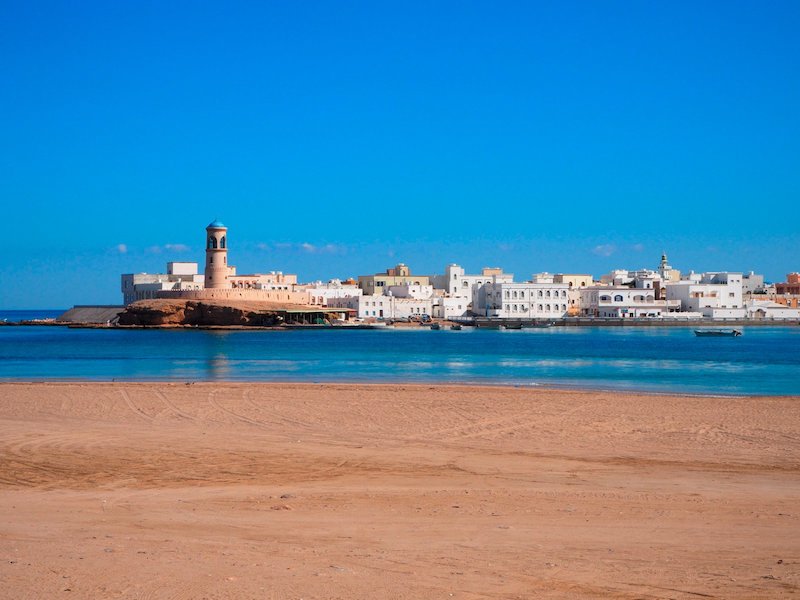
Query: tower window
{"points": [[222, 242]]}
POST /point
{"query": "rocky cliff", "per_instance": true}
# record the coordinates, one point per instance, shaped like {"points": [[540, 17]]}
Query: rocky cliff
{"points": [[160, 313]]}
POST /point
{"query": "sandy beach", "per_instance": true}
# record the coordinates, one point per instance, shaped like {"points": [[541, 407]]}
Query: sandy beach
{"points": [[210, 490]]}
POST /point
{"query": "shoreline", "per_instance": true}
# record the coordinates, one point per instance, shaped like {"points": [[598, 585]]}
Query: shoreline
{"points": [[415, 385]]}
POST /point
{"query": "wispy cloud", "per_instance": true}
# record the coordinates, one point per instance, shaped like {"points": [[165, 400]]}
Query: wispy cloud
{"points": [[604, 249], [305, 247], [638, 247], [121, 248], [168, 248]]}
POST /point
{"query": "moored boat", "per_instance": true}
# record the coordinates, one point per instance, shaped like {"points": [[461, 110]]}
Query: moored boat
{"points": [[455, 327], [717, 332]]}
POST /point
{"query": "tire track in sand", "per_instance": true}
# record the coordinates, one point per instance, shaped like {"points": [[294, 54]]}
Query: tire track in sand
{"points": [[135, 409]]}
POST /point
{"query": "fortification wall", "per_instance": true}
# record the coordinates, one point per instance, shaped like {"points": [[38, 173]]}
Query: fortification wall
{"points": [[236, 294]]}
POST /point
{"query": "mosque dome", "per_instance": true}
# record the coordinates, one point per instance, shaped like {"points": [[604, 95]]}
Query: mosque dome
{"points": [[216, 224]]}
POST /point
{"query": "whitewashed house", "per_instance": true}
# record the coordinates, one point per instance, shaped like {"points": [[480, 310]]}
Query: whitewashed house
{"points": [[715, 295]]}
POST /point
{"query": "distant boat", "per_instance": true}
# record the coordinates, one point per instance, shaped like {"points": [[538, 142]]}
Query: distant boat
{"points": [[455, 327], [717, 332], [512, 325], [435, 326], [542, 325]]}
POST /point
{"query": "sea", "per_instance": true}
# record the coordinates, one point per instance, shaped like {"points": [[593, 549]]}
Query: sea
{"points": [[764, 360]]}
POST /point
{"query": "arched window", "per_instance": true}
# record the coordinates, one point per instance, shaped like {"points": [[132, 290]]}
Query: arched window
{"points": [[618, 298], [605, 298], [563, 293], [222, 242], [507, 294], [548, 307], [540, 293], [649, 299], [547, 294], [515, 293], [212, 241], [563, 307], [522, 295]]}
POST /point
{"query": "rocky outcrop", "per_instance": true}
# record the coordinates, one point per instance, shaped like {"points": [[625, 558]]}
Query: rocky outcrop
{"points": [[165, 313]]}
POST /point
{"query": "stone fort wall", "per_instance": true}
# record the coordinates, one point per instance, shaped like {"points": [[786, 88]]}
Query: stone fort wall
{"points": [[236, 294]]}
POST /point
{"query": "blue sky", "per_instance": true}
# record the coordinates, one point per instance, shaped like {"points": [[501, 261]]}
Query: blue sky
{"points": [[338, 138]]}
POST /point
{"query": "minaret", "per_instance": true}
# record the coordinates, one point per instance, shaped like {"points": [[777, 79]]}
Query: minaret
{"points": [[216, 255], [664, 268]]}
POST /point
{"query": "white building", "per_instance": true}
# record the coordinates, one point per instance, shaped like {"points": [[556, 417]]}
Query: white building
{"points": [[753, 283], [766, 309], [410, 290], [320, 293], [458, 284], [446, 307], [378, 306], [145, 286], [715, 295], [506, 300], [625, 302]]}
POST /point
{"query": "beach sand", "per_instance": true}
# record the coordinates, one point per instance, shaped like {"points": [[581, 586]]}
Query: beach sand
{"points": [[395, 491]]}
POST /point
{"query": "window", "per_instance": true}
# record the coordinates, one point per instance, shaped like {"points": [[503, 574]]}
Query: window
{"points": [[539, 307], [618, 298], [548, 307], [222, 242], [547, 294], [522, 295], [540, 293]]}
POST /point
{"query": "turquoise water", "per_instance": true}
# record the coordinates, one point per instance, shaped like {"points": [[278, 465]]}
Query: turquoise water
{"points": [[765, 360]]}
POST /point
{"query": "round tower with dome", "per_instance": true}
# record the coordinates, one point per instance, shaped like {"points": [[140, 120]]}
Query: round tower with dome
{"points": [[216, 273]]}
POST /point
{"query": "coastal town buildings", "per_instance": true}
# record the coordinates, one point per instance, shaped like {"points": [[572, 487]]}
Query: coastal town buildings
{"points": [[715, 295], [398, 275], [509, 300], [320, 293], [789, 287], [625, 302], [219, 282], [145, 286], [381, 307], [575, 283], [397, 293]]}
